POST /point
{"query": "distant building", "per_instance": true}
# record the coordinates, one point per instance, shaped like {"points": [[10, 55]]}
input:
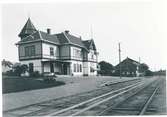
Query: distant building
{"points": [[129, 67], [160, 72], [61, 53], [6, 66]]}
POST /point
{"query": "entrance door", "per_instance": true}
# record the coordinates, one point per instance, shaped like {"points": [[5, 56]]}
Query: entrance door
{"points": [[51, 68]]}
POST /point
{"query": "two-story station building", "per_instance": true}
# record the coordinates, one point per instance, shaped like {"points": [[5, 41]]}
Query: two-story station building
{"points": [[60, 53]]}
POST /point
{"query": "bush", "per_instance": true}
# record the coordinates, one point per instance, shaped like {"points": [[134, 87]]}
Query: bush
{"points": [[18, 70], [49, 79], [35, 74], [11, 73], [106, 68], [22, 84], [58, 73]]}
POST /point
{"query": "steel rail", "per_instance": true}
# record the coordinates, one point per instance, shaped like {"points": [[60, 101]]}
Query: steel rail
{"points": [[105, 100], [90, 100], [148, 102], [110, 108]]}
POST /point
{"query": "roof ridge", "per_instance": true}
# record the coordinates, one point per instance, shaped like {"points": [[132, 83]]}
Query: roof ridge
{"points": [[48, 34], [130, 59]]}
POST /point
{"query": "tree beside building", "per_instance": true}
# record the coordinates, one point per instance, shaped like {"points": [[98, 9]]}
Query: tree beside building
{"points": [[6, 66], [106, 68]]}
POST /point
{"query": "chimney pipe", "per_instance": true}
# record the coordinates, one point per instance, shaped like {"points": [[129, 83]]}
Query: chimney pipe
{"points": [[48, 31], [67, 31]]}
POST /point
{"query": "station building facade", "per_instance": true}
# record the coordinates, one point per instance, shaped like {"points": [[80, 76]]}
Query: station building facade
{"points": [[61, 53]]}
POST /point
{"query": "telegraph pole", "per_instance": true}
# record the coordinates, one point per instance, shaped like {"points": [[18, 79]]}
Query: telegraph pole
{"points": [[138, 69], [119, 60]]}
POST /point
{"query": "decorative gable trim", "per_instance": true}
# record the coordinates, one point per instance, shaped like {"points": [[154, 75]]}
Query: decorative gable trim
{"points": [[67, 37], [29, 35], [40, 35], [92, 44]]}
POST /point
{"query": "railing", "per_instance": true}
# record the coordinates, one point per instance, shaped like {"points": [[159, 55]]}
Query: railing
{"points": [[47, 56]]}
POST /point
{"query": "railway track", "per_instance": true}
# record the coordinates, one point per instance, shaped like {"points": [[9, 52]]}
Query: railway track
{"points": [[84, 108], [50, 106], [158, 104], [135, 104], [97, 105], [86, 105]]}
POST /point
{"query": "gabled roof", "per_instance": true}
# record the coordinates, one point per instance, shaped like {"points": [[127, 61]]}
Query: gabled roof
{"points": [[128, 61], [39, 35], [133, 61], [49, 37], [66, 38], [28, 28], [89, 44], [86, 43], [29, 33], [62, 38], [74, 40]]}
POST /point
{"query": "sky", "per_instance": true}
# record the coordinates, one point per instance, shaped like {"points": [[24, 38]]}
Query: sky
{"points": [[140, 27]]}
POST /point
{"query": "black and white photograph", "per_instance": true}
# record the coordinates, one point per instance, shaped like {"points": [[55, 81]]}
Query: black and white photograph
{"points": [[84, 58]]}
